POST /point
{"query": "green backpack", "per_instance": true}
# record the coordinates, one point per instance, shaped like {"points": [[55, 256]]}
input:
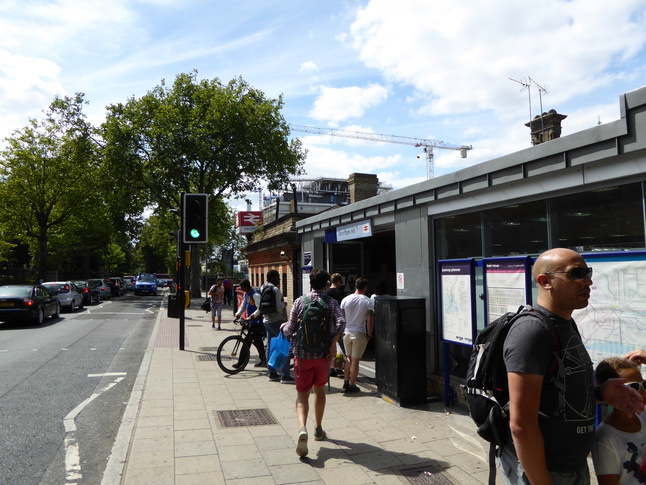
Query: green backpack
{"points": [[313, 334]]}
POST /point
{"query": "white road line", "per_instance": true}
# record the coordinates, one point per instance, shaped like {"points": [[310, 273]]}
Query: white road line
{"points": [[72, 460], [108, 374], [72, 453], [69, 419]]}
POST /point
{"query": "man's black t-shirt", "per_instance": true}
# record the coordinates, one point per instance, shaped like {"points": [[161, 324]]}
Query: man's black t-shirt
{"points": [[567, 409]]}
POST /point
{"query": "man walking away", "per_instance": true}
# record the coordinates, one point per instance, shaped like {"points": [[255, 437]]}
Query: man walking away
{"points": [[336, 291], [311, 367], [359, 315], [250, 304], [274, 316]]}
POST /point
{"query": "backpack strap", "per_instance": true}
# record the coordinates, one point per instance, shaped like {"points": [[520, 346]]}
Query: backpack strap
{"points": [[551, 329], [492, 463]]}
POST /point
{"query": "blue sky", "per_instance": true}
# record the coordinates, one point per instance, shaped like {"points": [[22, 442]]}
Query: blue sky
{"points": [[416, 68]]}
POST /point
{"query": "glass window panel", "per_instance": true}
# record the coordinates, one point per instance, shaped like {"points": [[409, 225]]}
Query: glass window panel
{"points": [[459, 236], [606, 219], [518, 229]]}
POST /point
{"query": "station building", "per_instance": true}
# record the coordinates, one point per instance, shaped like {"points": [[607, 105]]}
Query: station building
{"points": [[583, 191]]}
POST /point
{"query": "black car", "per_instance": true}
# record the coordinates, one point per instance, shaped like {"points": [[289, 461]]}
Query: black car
{"points": [[117, 286], [28, 302], [91, 293]]}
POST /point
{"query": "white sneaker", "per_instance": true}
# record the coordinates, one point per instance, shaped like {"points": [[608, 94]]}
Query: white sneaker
{"points": [[301, 442]]}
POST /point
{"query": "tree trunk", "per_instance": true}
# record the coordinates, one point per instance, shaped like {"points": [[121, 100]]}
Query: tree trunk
{"points": [[42, 253]]}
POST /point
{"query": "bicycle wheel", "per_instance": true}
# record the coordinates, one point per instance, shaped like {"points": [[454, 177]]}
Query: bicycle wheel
{"points": [[233, 354]]}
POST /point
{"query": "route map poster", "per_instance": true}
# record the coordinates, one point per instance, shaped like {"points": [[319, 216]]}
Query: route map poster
{"points": [[456, 281], [506, 286], [614, 321]]}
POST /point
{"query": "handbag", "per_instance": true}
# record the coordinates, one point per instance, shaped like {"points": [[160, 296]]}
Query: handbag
{"points": [[279, 351], [206, 306]]}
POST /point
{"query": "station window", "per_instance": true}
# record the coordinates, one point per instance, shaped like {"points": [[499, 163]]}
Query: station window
{"points": [[606, 219]]}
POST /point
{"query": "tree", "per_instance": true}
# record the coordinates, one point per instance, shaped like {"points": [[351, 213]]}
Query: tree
{"points": [[201, 137], [47, 172]]}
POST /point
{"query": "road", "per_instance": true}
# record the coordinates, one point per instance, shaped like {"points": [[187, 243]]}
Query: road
{"points": [[64, 387]]}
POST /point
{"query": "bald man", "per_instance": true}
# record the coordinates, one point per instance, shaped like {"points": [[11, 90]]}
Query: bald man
{"points": [[552, 408]]}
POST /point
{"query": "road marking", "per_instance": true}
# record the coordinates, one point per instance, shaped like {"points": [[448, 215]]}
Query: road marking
{"points": [[68, 421], [121, 313], [72, 452], [108, 374], [72, 460]]}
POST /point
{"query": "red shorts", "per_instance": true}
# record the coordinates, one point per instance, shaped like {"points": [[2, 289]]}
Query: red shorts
{"points": [[310, 372]]}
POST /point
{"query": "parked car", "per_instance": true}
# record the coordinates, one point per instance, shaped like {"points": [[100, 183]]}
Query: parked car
{"points": [[28, 302], [90, 292], [129, 281], [67, 293], [146, 284], [104, 289], [117, 288]]}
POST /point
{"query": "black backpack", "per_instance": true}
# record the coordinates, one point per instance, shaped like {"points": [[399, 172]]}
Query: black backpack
{"points": [[268, 300], [486, 384], [313, 334]]}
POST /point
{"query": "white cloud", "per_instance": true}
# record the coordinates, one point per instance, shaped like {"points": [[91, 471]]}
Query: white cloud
{"points": [[339, 104], [459, 56], [309, 66], [326, 162]]}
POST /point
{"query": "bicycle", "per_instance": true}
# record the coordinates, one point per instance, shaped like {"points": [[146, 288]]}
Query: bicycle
{"points": [[234, 351]]}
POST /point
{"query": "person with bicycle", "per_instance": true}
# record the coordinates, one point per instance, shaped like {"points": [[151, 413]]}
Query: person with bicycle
{"points": [[274, 315], [251, 305]]}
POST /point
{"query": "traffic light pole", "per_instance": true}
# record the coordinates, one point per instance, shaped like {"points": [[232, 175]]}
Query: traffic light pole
{"points": [[179, 296], [194, 230]]}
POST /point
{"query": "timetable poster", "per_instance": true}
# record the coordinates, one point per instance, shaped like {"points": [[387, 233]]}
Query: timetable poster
{"points": [[457, 302], [506, 286]]}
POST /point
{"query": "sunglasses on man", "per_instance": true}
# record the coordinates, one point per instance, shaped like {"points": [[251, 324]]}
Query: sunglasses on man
{"points": [[577, 273], [637, 386]]}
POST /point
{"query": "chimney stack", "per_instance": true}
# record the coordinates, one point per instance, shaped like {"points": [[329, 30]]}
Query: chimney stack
{"points": [[546, 127], [362, 186]]}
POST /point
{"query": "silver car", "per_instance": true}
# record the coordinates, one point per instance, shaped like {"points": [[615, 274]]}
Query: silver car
{"points": [[67, 293], [104, 289]]}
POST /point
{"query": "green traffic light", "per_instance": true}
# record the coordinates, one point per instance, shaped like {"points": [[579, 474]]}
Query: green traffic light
{"points": [[195, 233]]}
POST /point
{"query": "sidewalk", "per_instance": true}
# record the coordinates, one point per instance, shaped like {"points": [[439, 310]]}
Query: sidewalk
{"points": [[184, 426]]}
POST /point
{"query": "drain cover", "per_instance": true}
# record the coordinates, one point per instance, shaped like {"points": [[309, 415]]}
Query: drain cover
{"points": [[426, 474], [206, 357], [193, 325], [245, 417], [208, 349]]}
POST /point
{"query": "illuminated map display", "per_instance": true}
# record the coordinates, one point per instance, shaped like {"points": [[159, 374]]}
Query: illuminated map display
{"points": [[615, 320]]}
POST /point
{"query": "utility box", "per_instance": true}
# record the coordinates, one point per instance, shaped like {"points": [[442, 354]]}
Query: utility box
{"points": [[400, 348]]}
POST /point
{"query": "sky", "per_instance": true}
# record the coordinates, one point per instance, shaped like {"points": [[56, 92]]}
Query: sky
{"points": [[413, 68]]}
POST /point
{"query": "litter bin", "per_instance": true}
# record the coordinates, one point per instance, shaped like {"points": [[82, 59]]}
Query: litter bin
{"points": [[400, 348], [173, 307]]}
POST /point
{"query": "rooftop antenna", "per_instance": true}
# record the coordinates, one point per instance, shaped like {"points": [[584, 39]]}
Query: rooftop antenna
{"points": [[541, 90], [526, 85]]}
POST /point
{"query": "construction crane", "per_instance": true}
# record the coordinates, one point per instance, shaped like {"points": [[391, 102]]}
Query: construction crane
{"points": [[402, 140]]}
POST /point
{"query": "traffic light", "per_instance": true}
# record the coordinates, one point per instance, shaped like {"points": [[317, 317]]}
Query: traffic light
{"points": [[195, 218]]}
